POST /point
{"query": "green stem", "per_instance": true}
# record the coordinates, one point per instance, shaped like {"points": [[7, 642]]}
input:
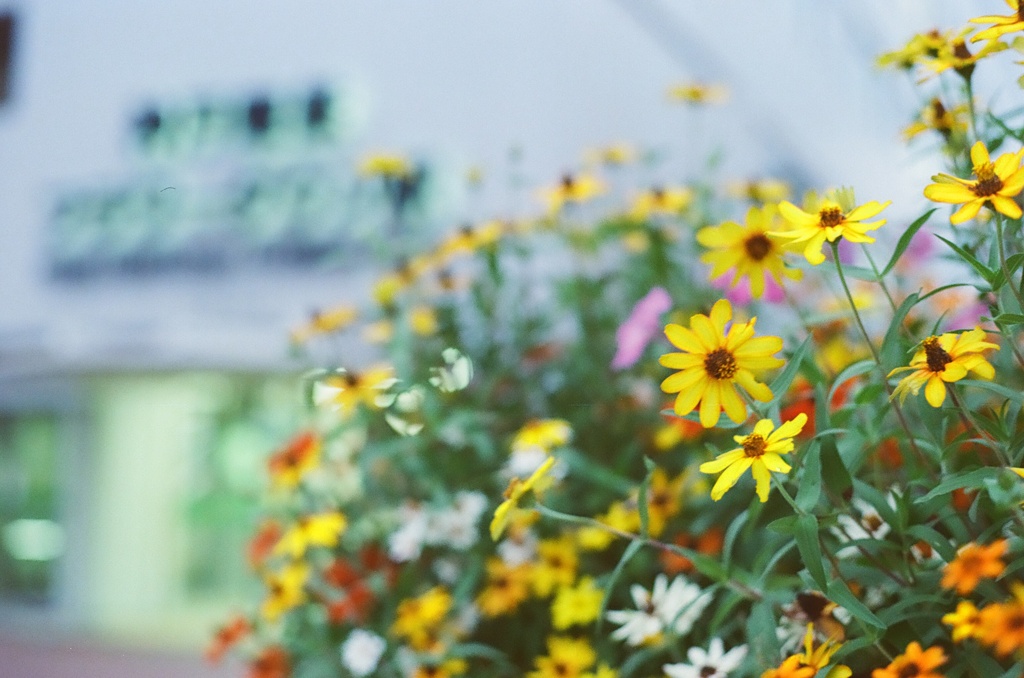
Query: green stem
{"points": [[878, 362], [970, 422], [878, 277], [1002, 261], [786, 495]]}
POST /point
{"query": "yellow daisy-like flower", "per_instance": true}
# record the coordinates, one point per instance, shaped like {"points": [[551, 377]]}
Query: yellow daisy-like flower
{"points": [[760, 452], [696, 93], [385, 165], [322, 529], [946, 358], [348, 389], [555, 566], [761, 191], [573, 605], [566, 658], [507, 587], [830, 223], [325, 322], [1001, 25], [571, 190], [918, 48], [965, 620], [543, 434], [747, 250], [285, 590], [665, 201], [935, 116], [997, 183], [517, 489], [954, 55], [713, 363], [1002, 624], [416, 619]]}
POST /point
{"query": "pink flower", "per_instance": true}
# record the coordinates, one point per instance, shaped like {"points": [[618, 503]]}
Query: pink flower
{"points": [[643, 323], [740, 293]]}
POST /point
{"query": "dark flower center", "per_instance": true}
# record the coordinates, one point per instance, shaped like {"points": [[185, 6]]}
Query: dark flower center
{"points": [[720, 364], [830, 217], [754, 446], [936, 355], [708, 671], [988, 182], [758, 246], [1015, 622], [909, 671]]}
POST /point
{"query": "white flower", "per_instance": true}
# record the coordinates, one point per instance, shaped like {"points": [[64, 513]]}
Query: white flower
{"points": [[406, 543], [869, 525], [522, 463], [518, 548], [361, 652], [714, 663], [672, 607]]}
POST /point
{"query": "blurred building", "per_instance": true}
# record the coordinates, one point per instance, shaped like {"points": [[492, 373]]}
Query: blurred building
{"points": [[179, 186]]}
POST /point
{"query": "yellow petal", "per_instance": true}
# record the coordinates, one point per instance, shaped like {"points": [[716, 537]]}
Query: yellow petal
{"points": [[979, 154], [729, 477], [719, 463], [721, 313], [681, 381], [734, 406], [950, 193], [688, 399], [967, 212], [773, 462], [756, 389], [705, 331], [684, 339], [867, 210], [790, 428], [1013, 184], [1006, 206], [935, 392], [681, 361], [797, 216], [763, 479], [759, 347], [711, 405]]}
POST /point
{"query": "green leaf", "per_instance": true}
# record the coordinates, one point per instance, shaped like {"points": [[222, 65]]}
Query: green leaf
{"points": [[1015, 396], [891, 355], [855, 370], [984, 271], [833, 471], [785, 379], [784, 525], [974, 479], [810, 480], [1009, 319], [761, 627], [838, 592], [730, 537], [904, 241], [806, 535]]}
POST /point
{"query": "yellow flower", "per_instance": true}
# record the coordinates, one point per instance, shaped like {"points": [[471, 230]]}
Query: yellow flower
{"points": [[953, 54], [713, 362], [1001, 25], [285, 590], [543, 434], [515, 492], [759, 190], [998, 182], [417, 619], [917, 49], [747, 250], [937, 117], [818, 658], [555, 566], [698, 93], [966, 621], [325, 322], [469, 239], [321, 529], [506, 588], [663, 500], [572, 190], [566, 658], [830, 223], [580, 604], [760, 452], [791, 667], [423, 320], [385, 165], [349, 389], [667, 201], [612, 156], [946, 358], [289, 464], [449, 668]]}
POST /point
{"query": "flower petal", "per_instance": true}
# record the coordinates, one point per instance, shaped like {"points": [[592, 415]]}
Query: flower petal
{"points": [[729, 477]]}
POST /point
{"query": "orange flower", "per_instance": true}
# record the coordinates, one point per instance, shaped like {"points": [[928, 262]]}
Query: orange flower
{"points": [[262, 543], [914, 662], [273, 662], [973, 563], [226, 637], [793, 667], [1002, 624], [294, 460]]}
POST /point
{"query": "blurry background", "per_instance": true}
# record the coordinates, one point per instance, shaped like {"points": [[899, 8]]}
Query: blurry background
{"points": [[178, 188]]}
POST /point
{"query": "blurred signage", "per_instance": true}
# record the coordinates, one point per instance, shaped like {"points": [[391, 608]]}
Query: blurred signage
{"points": [[6, 54], [241, 182]]}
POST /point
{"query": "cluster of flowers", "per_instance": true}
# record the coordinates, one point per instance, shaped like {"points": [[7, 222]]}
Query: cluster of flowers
{"points": [[872, 538]]}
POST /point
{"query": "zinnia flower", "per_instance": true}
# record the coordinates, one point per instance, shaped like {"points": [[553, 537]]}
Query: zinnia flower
{"points": [[747, 250], [916, 662], [713, 362], [973, 563], [714, 662], [946, 358], [675, 607], [1002, 624], [997, 183], [759, 452], [640, 327], [830, 223], [965, 620]]}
